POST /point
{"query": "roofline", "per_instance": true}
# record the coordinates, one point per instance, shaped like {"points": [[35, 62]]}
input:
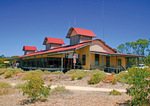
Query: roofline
{"points": [[105, 45], [116, 54], [24, 56]]}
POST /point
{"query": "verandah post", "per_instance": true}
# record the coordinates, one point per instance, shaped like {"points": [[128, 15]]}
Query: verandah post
{"points": [[103, 63], [42, 62], [35, 61], [62, 62]]}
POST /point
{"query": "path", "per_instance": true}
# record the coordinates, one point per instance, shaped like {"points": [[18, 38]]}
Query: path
{"points": [[79, 88]]}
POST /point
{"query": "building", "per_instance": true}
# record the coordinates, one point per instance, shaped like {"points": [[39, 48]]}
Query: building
{"points": [[84, 52]]}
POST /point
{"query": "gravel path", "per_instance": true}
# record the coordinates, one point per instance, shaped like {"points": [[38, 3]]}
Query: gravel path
{"points": [[79, 88]]}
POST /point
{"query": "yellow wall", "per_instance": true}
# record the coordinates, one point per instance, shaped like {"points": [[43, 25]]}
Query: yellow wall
{"points": [[113, 61], [85, 51]]}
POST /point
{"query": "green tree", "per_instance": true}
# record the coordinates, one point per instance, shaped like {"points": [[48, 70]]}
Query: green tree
{"points": [[128, 47], [121, 48], [139, 90]]}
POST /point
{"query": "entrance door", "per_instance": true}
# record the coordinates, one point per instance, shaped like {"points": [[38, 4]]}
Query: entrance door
{"points": [[107, 61]]}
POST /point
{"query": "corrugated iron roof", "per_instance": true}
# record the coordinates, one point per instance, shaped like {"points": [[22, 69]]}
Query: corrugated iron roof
{"points": [[29, 48], [59, 49], [53, 40], [80, 31], [120, 54]]}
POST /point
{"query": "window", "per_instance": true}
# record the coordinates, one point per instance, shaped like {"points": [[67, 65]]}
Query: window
{"points": [[84, 59], [119, 62], [96, 59]]}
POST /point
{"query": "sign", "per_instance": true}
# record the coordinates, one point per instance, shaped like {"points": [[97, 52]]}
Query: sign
{"points": [[6, 62], [74, 58], [70, 55]]}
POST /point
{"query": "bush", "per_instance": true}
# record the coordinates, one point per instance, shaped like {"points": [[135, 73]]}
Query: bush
{"points": [[11, 72], [97, 77], [79, 78], [57, 72], [140, 89], [35, 89], [4, 85], [114, 92], [122, 77], [78, 73], [20, 86], [2, 71], [113, 81], [29, 75], [59, 89], [73, 77]]}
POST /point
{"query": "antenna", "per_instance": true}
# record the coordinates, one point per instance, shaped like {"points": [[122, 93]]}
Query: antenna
{"points": [[69, 24], [103, 18], [75, 21]]}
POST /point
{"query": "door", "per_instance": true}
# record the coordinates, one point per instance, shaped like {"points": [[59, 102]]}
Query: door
{"points": [[107, 61]]}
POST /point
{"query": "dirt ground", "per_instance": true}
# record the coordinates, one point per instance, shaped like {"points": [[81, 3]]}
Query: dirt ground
{"points": [[69, 98]]}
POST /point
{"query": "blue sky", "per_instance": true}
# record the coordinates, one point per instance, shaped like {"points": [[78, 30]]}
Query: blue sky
{"points": [[28, 22]]}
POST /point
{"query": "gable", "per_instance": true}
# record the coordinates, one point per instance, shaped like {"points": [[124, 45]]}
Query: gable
{"points": [[73, 33], [97, 45]]}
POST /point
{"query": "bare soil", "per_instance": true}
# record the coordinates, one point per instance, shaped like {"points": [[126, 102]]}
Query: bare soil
{"points": [[69, 98]]}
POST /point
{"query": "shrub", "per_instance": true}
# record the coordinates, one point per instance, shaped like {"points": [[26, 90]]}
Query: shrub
{"points": [[57, 72], [113, 81], [140, 89], [122, 77], [20, 86], [4, 85], [35, 89], [79, 78], [73, 77], [2, 71], [114, 92], [78, 73], [11, 72], [29, 75], [59, 89], [97, 77]]}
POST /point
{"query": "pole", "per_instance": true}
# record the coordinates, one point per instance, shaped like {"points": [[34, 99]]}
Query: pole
{"points": [[62, 62]]}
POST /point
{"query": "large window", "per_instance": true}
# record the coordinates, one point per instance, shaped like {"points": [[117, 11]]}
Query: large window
{"points": [[96, 59], [84, 59], [119, 62]]}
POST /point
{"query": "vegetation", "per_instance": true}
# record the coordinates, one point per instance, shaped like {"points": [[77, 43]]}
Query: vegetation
{"points": [[73, 77], [4, 85], [97, 76], [113, 81], [11, 72], [140, 47], [29, 75], [20, 86], [59, 89], [78, 73], [114, 92], [57, 72], [140, 88], [122, 77], [79, 78], [35, 88], [2, 71]]}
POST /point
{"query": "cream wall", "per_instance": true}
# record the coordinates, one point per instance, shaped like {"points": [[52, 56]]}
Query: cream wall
{"points": [[99, 46]]}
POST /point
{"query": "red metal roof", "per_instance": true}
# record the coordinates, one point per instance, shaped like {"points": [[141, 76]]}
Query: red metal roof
{"points": [[29, 48], [59, 49], [80, 31], [122, 54], [53, 40]]}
